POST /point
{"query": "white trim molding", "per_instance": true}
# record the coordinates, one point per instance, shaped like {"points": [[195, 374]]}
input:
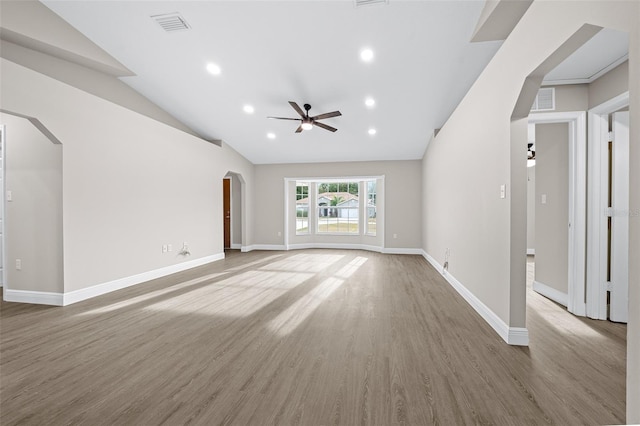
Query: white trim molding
{"points": [[235, 246], [34, 297], [596, 277], [531, 251], [517, 336], [108, 287], [253, 247], [337, 246], [551, 293], [396, 250], [577, 229]]}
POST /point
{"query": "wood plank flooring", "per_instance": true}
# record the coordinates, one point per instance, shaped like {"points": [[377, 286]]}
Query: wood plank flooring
{"points": [[314, 337]]}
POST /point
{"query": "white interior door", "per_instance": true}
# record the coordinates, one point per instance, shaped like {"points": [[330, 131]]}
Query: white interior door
{"points": [[619, 212]]}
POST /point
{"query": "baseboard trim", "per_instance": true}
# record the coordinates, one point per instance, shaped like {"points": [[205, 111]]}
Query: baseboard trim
{"points": [[108, 287], [516, 336], [531, 252], [551, 293], [252, 247], [335, 246], [236, 246], [34, 297], [395, 250], [303, 246]]}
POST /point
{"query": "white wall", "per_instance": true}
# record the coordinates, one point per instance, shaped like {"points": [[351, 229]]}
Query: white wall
{"points": [[236, 210], [402, 204], [552, 215], [131, 184], [33, 218], [609, 85], [531, 210], [469, 159]]}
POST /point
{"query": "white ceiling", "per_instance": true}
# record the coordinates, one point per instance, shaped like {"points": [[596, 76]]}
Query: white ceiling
{"points": [[603, 52], [272, 52]]}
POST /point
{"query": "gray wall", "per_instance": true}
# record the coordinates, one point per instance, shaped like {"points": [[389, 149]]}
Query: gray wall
{"points": [[552, 216], [131, 184], [402, 198], [34, 216], [609, 85], [470, 157], [531, 209], [236, 210]]}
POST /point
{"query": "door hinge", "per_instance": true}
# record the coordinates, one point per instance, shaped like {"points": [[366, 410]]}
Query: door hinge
{"points": [[610, 136], [608, 211], [609, 285]]}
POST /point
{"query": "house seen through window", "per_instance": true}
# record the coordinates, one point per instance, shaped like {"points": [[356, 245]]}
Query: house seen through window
{"points": [[336, 207]]}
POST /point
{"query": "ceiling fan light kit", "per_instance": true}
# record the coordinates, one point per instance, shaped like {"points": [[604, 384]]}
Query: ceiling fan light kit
{"points": [[306, 122]]}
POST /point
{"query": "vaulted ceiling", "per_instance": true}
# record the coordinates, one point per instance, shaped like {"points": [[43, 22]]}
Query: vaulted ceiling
{"points": [[272, 52]]}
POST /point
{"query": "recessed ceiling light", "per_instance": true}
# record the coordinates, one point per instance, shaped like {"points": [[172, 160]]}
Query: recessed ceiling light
{"points": [[271, 135], [372, 131], [248, 109], [366, 55], [213, 69], [370, 102]]}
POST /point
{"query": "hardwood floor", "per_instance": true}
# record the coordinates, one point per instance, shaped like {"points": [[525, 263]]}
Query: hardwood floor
{"points": [[312, 337]]}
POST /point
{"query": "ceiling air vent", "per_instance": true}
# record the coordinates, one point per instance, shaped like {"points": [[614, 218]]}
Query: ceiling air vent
{"points": [[171, 22], [359, 3], [545, 100]]}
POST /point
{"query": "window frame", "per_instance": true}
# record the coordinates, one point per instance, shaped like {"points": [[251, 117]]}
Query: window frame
{"points": [[329, 209], [300, 184]]}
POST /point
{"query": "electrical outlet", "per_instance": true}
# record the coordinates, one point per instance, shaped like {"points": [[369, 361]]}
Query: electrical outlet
{"points": [[503, 191], [279, 234], [395, 235], [19, 264], [164, 248], [9, 196]]}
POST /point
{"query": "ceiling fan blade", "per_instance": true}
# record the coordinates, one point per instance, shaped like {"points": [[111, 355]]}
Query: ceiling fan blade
{"points": [[324, 126], [327, 115], [297, 108], [284, 118], [299, 129]]}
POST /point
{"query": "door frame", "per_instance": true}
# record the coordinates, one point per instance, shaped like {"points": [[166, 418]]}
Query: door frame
{"points": [[577, 225], [598, 119]]}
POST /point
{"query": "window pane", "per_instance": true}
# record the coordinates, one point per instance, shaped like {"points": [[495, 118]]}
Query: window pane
{"points": [[371, 207], [338, 207], [302, 208]]}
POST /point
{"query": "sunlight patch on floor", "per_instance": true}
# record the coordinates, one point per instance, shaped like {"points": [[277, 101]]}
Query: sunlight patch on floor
{"points": [[255, 262], [299, 311], [570, 324], [305, 262], [351, 267], [151, 295], [237, 296]]}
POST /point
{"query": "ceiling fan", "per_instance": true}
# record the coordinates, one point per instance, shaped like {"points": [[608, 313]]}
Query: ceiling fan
{"points": [[307, 122]]}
